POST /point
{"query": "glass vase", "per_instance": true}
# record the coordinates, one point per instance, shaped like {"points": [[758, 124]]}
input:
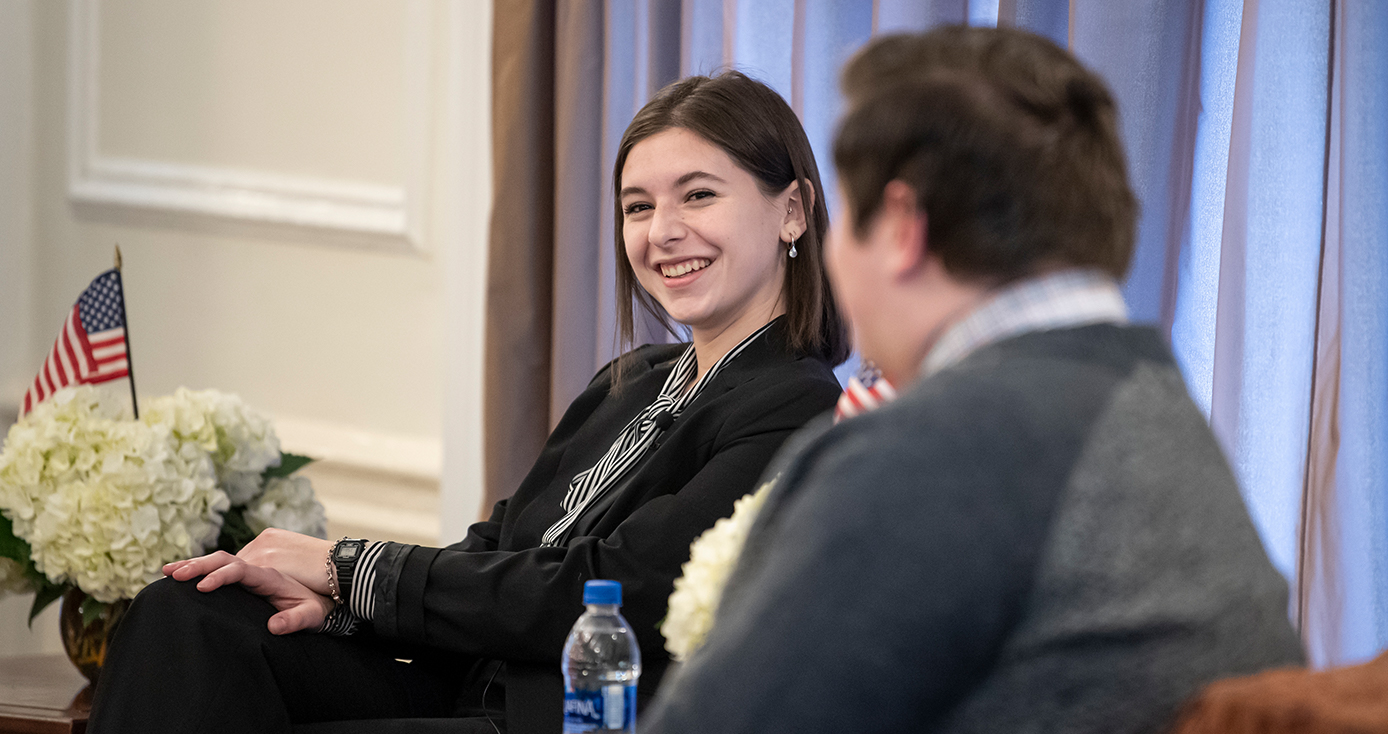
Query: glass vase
{"points": [[86, 643]]}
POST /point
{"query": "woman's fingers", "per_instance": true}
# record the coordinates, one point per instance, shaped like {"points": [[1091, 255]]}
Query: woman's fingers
{"points": [[200, 566], [228, 569], [305, 615], [300, 608], [265, 582], [300, 557], [171, 568]]}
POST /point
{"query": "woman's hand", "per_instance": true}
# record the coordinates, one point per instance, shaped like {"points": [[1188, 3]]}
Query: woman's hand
{"points": [[300, 608], [300, 557]]}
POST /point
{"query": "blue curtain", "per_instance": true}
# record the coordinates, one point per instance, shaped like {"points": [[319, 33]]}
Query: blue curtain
{"points": [[1257, 139], [1345, 572]]}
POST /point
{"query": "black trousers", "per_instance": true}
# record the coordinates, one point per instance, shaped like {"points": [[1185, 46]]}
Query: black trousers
{"points": [[187, 661]]}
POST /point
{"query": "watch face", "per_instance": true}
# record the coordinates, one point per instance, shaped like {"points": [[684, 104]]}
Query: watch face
{"points": [[348, 551]]}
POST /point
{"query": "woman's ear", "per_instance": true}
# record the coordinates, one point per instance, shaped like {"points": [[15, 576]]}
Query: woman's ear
{"points": [[796, 221]]}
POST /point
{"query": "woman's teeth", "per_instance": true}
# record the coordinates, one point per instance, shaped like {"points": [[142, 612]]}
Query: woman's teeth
{"points": [[688, 266]]}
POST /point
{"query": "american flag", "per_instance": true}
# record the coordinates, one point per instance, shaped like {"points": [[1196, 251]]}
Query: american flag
{"points": [[867, 391], [91, 347]]}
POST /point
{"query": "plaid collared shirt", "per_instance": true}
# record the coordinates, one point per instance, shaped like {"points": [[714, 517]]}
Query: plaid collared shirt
{"points": [[1058, 300]]}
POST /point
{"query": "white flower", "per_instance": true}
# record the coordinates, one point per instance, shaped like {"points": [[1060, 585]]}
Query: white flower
{"points": [[712, 558], [288, 503], [242, 442], [104, 503]]}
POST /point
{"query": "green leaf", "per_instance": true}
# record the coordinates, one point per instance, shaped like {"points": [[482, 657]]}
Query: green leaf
{"points": [[289, 463], [92, 611], [44, 595], [235, 532], [11, 546], [15, 549]]}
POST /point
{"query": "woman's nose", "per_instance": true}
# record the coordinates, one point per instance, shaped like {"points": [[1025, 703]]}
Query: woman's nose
{"points": [[667, 226]]}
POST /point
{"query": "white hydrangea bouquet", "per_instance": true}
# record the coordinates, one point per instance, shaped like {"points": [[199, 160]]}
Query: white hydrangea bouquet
{"points": [[95, 501], [712, 558]]}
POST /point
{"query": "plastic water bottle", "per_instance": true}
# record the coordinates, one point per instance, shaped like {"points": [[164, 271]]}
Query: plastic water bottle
{"points": [[601, 664]]}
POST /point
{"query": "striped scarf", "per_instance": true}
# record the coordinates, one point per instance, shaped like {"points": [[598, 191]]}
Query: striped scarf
{"points": [[637, 438]]}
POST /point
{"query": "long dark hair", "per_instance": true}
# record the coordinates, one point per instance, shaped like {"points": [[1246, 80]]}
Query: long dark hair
{"points": [[757, 129]]}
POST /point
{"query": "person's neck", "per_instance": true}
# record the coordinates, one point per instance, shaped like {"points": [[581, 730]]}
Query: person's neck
{"points": [[937, 307], [711, 344]]}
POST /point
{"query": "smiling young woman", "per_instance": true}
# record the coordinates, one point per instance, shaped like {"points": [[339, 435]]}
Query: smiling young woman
{"points": [[719, 169], [719, 229], [701, 238]]}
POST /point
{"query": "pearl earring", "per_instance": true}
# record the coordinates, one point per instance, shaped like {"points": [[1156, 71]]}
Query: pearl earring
{"points": [[792, 252]]}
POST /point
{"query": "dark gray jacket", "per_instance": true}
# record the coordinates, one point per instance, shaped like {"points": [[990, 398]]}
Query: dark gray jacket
{"points": [[1042, 538]]}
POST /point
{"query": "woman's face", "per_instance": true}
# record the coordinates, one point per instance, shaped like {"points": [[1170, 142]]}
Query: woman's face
{"points": [[701, 236]]}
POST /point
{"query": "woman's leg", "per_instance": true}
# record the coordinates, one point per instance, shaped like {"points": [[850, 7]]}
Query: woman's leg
{"points": [[184, 660]]}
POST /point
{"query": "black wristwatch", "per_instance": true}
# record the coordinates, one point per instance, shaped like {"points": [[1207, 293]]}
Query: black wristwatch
{"points": [[345, 556]]}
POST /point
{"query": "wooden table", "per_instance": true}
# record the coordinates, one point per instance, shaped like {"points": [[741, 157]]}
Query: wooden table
{"points": [[42, 694]]}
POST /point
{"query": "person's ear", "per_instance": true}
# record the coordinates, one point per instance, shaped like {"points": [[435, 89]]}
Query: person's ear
{"points": [[905, 226], [796, 221]]}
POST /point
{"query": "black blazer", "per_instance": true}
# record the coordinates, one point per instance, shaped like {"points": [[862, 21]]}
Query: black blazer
{"points": [[498, 595]]}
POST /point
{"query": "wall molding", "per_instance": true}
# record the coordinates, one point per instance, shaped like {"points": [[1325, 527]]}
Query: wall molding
{"points": [[419, 457], [342, 211], [380, 521], [410, 457]]}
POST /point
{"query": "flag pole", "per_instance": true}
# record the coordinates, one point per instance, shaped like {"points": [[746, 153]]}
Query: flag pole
{"points": [[129, 361]]}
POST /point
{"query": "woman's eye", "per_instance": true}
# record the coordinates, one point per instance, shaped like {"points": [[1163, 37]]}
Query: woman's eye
{"points": [[700, 194], [638, 207]]}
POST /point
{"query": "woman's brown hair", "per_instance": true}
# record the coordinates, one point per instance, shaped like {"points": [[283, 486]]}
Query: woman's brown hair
{"points": [[757, 129]]}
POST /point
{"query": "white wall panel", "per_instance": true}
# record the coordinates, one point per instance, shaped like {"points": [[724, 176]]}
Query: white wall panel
{"points": [[311, 115], [17, 364], [302, 329], [313, 87]]}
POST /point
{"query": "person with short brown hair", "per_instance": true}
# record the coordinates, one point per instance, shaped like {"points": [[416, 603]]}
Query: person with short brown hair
{"points": [[1040, 534], [1012, 148]]}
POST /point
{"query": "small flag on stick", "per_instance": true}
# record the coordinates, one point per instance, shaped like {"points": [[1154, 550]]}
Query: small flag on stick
{"points": [[91, 348], [867, 391]]}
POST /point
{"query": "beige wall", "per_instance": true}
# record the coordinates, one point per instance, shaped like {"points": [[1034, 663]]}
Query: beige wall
{"points": [[300, 192], [16, 236]]}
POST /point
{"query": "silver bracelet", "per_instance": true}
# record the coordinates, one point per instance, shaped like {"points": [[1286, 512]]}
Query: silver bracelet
{"points": [[332, 573]]}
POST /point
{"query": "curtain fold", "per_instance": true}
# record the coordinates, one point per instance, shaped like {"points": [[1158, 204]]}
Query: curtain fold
{"points": [[1344, 590], [1270, 262], [1149, 52], [1049, 18], [1257, 138], [578, 180], [906, 16], [1195, 307], [520, 253]]}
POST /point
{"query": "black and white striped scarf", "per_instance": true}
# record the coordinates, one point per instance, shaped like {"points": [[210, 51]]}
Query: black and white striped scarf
{"points": [[638, 436]]}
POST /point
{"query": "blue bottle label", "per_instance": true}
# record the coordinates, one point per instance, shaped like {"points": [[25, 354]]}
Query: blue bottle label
{"points": [[610, 708]]}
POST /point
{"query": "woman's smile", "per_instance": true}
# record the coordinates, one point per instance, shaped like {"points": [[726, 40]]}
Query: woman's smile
{"points": [[683, 271]]}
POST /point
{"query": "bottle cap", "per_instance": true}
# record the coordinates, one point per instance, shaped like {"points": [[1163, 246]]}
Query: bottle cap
{"points": [[602, 592]]}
